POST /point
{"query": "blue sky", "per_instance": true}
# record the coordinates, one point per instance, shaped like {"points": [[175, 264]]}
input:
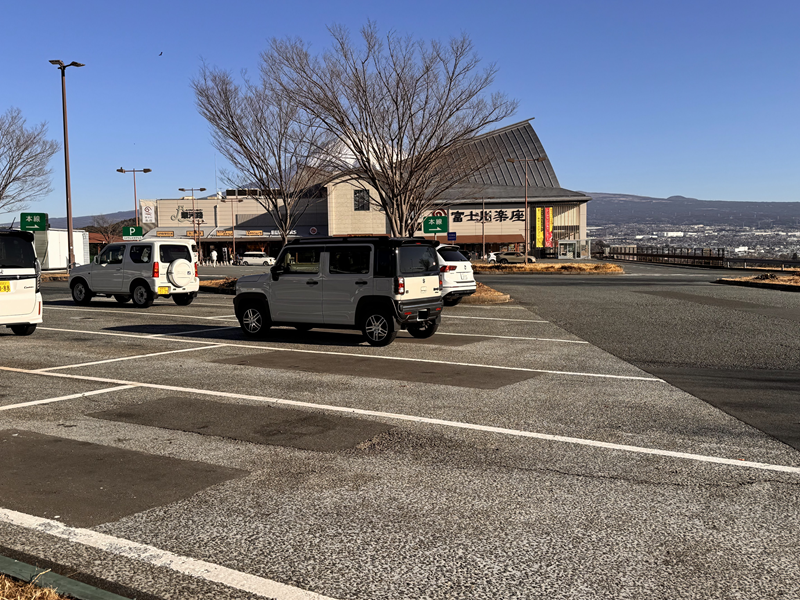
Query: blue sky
{"points": [[696, 98]]}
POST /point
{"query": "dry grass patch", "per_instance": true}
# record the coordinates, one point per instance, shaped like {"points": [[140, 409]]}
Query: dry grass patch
{"points": [[484, 292], [221, 285], [791, 279], [11, 589], [549, 268]]}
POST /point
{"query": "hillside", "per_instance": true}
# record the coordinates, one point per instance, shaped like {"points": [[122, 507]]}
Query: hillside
{"points": [[621, 209]]}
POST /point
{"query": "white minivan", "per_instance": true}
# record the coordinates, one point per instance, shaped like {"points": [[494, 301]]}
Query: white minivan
{"points": [[20, 276]]}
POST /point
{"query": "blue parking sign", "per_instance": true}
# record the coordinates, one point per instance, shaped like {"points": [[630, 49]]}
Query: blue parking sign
{"points": [[451, 236]]}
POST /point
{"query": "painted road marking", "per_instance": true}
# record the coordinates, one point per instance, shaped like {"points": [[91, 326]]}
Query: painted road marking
{"points": [[161, 558], [139, 313], [70, 397], [513, 337], [493, 319], [136, 356], [426, 420], [378, 357]]}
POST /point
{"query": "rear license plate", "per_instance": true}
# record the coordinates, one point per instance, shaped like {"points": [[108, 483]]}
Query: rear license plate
{"points": [[163, 290], [5, 286], [464, 276]]}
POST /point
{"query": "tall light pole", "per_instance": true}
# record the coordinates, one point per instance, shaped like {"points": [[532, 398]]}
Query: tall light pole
{"points": [[62, 67], [194, 213], [135, 199], [526, 161]]}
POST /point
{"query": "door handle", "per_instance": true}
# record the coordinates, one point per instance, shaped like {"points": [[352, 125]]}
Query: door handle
{"points": [[312, 282], [361, 282]]}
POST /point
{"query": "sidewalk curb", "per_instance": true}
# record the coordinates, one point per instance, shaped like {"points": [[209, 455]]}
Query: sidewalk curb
{"points": [[45, 578]]}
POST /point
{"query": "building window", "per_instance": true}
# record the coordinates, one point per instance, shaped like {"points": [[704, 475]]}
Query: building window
{"points": [[360, 199]]}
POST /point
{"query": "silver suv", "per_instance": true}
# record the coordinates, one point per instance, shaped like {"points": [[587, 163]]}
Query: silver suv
{"points": [[378, 285], [139, 271]]}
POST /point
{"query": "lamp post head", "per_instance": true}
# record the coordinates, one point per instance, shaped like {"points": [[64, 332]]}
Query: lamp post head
{"points": [[76, 64], [120, 170], [58, 63], [146, 170], [511, 160], [181, 189], [201, 190]]}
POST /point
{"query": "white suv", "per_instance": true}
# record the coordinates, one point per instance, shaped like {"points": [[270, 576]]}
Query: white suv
{"points": [[458, 280], [257, 258], [141, 271], [376, 284], [20, 275]]}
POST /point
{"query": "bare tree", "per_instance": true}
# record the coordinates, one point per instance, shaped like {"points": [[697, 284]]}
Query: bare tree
{"points": [[109, 230], [24, 158], [404, 112], [267, 140]]}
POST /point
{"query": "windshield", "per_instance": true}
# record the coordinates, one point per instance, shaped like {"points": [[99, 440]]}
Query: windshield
{"points": [[452, 255], [16, 253], [416, 260]]}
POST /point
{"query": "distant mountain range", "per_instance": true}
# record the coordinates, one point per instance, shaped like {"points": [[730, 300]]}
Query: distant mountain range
{"points": [[624, 209], [79, 222], [627, 209]]}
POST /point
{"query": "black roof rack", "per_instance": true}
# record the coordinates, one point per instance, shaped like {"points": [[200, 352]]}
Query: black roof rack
{"points": [[356, 239]]}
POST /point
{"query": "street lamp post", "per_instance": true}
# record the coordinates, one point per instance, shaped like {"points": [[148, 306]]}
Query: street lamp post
{"points": [[526, 161], [62, 67], [194, 213], [135, 199]]}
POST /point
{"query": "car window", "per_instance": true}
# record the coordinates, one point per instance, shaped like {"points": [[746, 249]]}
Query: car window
{"points": [[112, 255], [452, 255], [16, 253], [384, 261], [301, 260], [141, 254], [351, 260], [172, 252], [415, 260]]}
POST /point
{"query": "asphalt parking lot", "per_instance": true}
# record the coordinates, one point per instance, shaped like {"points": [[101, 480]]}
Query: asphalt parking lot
{"points": [[159, 453]]}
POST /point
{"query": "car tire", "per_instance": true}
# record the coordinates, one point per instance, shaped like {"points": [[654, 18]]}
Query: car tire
{"points": [[423, 330], [23, 329], [265, 263], [142, 296], [452, 301], [245, 263], [503, 261], [183, 299], [122, 298], [378, 327], [81, 294], [531, 261], [255, 320]]}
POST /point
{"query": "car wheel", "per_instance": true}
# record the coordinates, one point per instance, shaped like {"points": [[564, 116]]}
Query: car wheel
{"points": [[303, 328], [255, 320], [23, 329], [265, 263], [423, 330], [183, 299], [452, 301], [530, 260], [142, 296], [122, 298], [378, 327], [245, 263], [81, 293]]}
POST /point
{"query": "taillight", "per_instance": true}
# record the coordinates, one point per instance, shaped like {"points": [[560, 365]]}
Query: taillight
{"points": [[399, 285], [195, 271], [446, 268], [441, 279], [155, 270]]}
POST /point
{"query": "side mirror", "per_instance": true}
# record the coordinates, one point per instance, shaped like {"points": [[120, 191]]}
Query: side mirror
{"points": [[276, 271], [97, 260]]}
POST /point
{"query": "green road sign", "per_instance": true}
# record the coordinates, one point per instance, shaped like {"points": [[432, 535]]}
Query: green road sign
{"points": [[33, 221], [434, 225], [131, 233]]}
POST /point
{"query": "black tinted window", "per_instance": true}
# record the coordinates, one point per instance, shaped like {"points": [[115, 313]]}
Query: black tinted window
{"points": [[172, 252], [417, 259], [452, 255], [300, 260], [16, 253], [349, 260], [141, 254], [384, 261]]}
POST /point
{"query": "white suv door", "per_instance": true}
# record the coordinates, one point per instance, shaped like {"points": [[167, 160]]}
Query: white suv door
{"points": [[348, 277], [296, 294]]}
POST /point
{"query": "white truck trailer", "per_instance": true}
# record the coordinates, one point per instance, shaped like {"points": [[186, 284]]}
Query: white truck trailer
{"points": [[52, 249]]}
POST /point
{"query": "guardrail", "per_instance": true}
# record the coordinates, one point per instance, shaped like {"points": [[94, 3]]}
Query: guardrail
{"points": [[699, 257]]}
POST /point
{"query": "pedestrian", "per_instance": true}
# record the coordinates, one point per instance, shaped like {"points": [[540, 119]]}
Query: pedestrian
{"points": [[213, 258], [225, 255]]}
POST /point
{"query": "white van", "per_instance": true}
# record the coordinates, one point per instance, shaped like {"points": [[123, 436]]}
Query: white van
{"points": [[20, 276]]}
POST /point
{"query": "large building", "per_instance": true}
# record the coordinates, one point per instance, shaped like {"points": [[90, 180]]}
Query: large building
{"points": [[487, 213]]}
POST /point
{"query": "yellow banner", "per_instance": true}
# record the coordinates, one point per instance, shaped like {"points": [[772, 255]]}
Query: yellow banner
{"points": [[539, 227], [256, 232], [165, 234], [225, 233]]}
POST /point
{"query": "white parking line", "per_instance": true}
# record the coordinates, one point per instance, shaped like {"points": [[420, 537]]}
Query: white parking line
{"points": [[430, 421], [199, 569], [513, 337], [70, 397], [134, 357], [378, 357], [493, 319]]}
